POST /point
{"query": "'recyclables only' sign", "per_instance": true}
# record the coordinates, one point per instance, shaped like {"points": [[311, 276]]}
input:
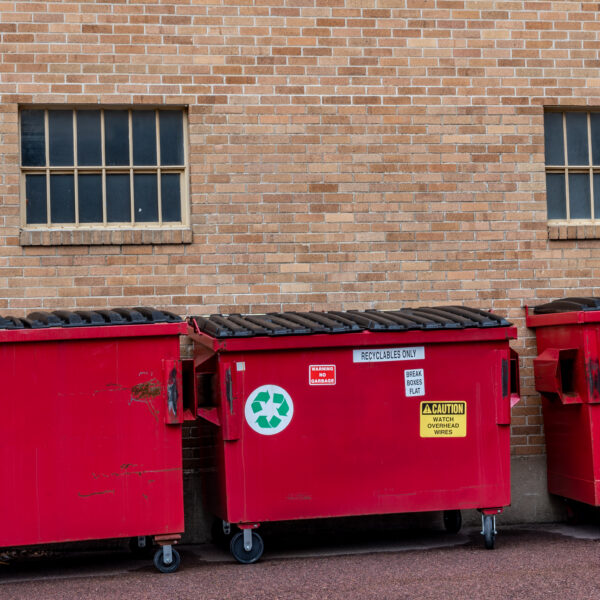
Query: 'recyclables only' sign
{"points": [[388, 354]]}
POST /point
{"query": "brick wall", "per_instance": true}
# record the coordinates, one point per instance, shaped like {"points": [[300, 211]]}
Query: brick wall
{"points": [[343, 154]]}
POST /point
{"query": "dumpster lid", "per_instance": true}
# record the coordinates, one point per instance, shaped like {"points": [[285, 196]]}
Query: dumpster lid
{"points": [[567, 305], [89, 318], [306, 323]]}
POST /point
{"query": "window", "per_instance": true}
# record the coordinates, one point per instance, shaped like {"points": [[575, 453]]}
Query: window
{"points": [[103, 168], [572, 146]]}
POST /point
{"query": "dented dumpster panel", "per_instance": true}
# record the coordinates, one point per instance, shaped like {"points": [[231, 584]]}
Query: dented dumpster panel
{"points": [[86, 451]]}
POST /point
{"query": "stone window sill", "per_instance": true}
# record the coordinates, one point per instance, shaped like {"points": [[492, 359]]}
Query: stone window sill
{"points": [[573, 231], [104, 237]]}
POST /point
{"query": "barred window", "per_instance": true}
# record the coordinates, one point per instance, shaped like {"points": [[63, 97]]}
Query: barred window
{"points": [[572, 148], [89, 168]]}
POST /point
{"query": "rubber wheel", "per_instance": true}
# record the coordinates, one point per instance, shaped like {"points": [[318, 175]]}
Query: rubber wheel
{"points": [[159, 561], [218, 536], [240, 554], [452, 521], [489, 536]]}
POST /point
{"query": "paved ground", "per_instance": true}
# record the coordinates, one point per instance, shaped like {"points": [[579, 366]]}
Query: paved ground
{"points": [[553, 561]]}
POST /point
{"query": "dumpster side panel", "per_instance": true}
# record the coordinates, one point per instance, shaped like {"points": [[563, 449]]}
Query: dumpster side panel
{"points": [[86, 452], [572, 417], [362, 437], [570, 450]]}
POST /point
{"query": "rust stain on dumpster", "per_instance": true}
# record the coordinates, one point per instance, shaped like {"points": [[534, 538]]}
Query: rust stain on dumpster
{"points": [[138, 473], [147, 389], [146, 392], [96, 493], [593, 373]]}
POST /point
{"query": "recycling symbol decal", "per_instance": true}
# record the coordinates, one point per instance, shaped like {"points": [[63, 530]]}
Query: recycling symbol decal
{"points": [[269, 409]]}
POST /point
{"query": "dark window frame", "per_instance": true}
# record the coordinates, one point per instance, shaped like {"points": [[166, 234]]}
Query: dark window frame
{"points": [[175, 216], [572, 166]]}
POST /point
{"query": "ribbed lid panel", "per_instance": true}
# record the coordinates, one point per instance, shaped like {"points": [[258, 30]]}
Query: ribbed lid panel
{"points": [[567, 305], [89, 318], [306, 323]]}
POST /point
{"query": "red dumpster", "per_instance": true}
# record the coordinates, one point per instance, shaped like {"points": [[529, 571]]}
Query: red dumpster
{"points": [[91, 428], [567, 375], [355, 413]]}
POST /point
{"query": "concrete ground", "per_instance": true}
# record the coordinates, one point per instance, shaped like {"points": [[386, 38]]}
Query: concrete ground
{"points": [[533, 561]]}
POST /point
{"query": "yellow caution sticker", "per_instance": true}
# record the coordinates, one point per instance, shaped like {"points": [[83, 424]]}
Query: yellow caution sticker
{"points": [[443, 419]]}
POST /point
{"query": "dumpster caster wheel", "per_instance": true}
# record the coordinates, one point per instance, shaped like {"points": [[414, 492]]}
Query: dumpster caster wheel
{"points": [[241, 554], [162, 566], [489, 531], [452, 521]]}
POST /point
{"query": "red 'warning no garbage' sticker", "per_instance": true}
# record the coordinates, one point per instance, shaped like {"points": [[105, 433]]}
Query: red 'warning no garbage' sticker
{"points": [[321, 375]]}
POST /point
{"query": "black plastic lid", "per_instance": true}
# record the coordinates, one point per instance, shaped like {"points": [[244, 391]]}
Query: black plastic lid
{"points": [[567, 305], [305, 323], [89, 318]]}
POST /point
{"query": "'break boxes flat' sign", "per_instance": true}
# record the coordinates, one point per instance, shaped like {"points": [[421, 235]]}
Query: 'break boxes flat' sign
{"points": [[414, 382], [321, 375]]}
